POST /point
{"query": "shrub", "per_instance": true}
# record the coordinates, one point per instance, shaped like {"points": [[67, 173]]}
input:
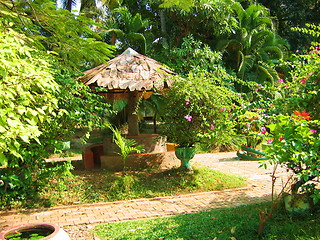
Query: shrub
{"points": [[199, 109], [296, 146]]}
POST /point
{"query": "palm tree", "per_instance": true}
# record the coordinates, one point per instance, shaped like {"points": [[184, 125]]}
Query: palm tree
{"points": [[255, 47], [127, 29]]}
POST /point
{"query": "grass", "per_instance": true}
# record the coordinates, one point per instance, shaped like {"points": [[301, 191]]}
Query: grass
{"points": [[101, 185], [239, 223]]}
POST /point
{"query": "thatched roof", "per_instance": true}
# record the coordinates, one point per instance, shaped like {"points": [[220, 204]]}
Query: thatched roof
{"points": [[129, 71]]}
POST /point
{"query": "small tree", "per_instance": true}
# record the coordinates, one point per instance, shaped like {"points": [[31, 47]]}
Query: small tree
{"points": [[296, 146], [126, 146]]}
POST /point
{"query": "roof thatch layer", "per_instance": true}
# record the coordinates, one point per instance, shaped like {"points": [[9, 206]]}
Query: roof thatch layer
{"points": [[129, 71]]}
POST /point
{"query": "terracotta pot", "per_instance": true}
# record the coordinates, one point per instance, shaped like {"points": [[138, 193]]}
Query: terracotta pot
{"points": [[55, 232]]}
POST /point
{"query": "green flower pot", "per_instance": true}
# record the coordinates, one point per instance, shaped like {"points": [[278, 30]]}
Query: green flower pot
{"points": [[185, 154]]}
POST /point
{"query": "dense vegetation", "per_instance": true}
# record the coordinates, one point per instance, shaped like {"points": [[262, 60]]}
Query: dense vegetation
{"points": [[266, 57]]}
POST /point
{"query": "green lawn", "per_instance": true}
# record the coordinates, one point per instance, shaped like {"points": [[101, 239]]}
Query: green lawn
{"points": [[102, 186], [239, 223]]}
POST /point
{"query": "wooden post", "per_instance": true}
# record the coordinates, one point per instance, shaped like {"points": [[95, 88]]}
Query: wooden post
{"points": [[133, 124]]}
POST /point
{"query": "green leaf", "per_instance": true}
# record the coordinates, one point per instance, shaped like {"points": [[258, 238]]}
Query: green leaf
{"points": [[3, 159]]}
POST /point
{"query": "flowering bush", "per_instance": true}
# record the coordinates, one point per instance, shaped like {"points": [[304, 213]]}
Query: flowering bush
{"points": [[299, 89], [199, 109], [296, 145]]}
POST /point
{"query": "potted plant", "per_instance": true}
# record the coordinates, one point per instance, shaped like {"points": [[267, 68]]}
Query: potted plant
{"points": [[251, 124], [34, 231], [198, 109]]}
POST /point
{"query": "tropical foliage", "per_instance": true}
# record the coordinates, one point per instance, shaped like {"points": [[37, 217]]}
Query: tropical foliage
{"points": [[198, 109], [26, 100], [126, 146], [125, 28], [41, 101], [299, 88], [192, 55], [69, 39], [289, 14], [226, 51], [296, 145], [255, 48]]}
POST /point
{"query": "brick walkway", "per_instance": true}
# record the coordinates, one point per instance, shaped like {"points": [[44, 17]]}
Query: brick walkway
{"points": [[258, 190]]}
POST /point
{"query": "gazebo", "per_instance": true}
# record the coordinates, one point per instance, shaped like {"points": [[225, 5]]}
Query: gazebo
{"points": [[129, 76]]}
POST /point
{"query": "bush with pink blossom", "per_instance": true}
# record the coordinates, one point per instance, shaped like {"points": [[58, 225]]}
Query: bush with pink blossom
{"points": [[199, 108]]}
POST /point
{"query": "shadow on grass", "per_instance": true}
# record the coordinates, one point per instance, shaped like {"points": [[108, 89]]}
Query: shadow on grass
{"points": [[109, 186], [240, 223]]}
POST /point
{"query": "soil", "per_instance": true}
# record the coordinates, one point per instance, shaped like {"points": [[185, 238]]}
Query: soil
{"points": [[80, 232]]}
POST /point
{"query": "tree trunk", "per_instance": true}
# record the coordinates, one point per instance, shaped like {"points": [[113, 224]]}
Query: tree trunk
{"points": [[69, 4], [163, 27], [113, 39], [133, 125]]}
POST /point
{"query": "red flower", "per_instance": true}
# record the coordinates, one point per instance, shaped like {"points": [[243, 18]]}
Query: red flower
{"points": [[302, 115], [281, 138]]}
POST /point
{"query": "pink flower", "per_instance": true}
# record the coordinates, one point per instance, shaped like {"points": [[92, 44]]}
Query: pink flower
{"points": [[313, 131], [286, 86], [188, 117], [303, 80], [257, 89], [263, 130], [222, 109], [188, 101], [280, 80], [212, 126], [269, 141]]}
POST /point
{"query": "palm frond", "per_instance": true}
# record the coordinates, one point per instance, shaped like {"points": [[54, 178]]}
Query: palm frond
{"points": [[125, 15], [138, 37], [137, 24], [246, 64], [119, 33], [269, 72], [273, 52], [69, 4], [112, 4], [239, 10], [90, 4]]}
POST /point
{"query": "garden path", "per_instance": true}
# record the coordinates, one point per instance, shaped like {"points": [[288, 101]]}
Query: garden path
{"points": [[78, 219]]}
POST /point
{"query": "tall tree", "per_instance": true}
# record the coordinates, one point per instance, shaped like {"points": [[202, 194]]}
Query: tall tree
{"points": [[40, 100], [294, 13], [255, 47], [128, 29], [205, 20]]}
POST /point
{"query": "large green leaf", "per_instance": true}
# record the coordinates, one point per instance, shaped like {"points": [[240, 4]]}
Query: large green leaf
{"points": [[247, 63]]}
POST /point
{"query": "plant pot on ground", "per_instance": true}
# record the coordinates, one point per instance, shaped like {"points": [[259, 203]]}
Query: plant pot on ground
{"points": [[33, 231], [185, 154]]}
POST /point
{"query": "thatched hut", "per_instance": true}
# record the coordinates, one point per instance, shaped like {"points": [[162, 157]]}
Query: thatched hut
{"points": [[129, 76]]}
